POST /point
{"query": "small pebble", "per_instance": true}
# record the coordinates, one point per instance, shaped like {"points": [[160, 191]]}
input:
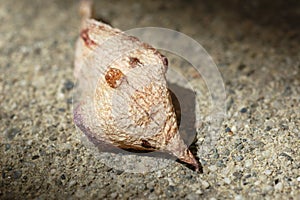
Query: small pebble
{"points": [[72, 183], [68, 85], [248, 175], [158, 174], [266, 154], [35, 157], [52, 138], [61, 110], [288, 157], [29, 142], [152, 196], [80, 193], [63, 177], [114, 195], [171, 188], [239, 158], [238, 197], [268, 172], [240, 147], [205, 184], [238, 175], [220, 163], [268, 128], [119, 172], [17, 174], [192, 196], [257, 183], [278, 186], [241, 66], [7, 147], [69, 100], [199, 191], [267, 188], [3, 174], [150, 185], [227, 180], [248, 163], [227, 152], [227, 130], [12, 132], [52, 171], [212, 168], [233, 129], [243, 110], [202, 161]]}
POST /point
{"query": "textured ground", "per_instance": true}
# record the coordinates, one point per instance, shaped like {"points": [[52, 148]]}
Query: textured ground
{"points": [[255, 46]]}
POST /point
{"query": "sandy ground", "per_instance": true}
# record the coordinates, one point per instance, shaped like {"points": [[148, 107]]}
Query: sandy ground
{"points": [[255, 46]]}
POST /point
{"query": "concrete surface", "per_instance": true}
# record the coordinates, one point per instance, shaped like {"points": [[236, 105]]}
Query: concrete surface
{"points": [[255, 46]]}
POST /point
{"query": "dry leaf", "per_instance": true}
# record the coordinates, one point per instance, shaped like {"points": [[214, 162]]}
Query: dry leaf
{"points": [[123, 98]]}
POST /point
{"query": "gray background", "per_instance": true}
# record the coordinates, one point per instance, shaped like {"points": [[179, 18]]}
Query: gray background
{"points": [[256, 47]]}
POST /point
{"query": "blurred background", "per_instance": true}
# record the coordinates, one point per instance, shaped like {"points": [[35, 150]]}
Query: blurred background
{"points": [[255, 45]]}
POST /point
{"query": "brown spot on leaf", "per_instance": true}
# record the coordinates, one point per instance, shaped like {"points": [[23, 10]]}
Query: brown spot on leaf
{"points": [[148, 46], [86, 38], [146, 144], [133, 39], [164, 60], [114, 77], [133, 61]]}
